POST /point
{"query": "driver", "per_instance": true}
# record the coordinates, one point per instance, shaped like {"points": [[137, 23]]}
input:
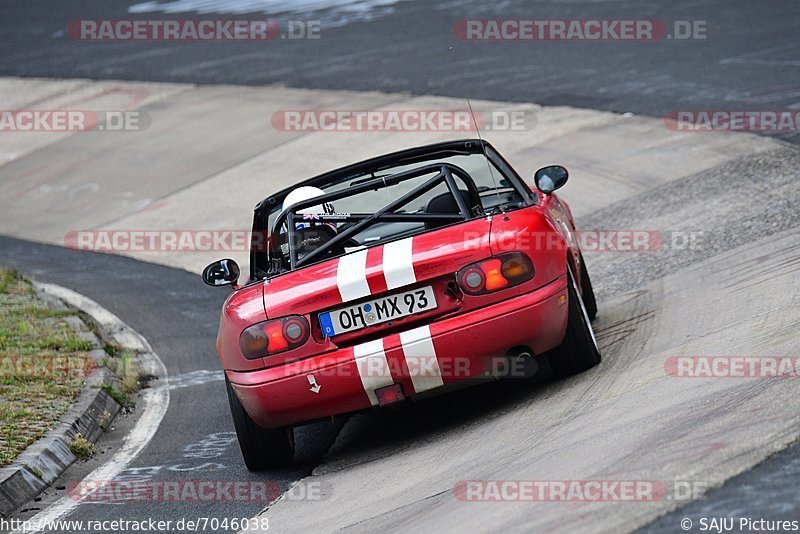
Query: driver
{"points": [[311, 232]]}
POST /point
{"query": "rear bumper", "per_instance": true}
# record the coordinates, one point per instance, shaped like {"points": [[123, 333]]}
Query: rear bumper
{"points": [[425, 359]]}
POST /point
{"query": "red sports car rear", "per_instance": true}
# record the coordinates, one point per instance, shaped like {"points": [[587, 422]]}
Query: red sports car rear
{"points": [[444, 269]]}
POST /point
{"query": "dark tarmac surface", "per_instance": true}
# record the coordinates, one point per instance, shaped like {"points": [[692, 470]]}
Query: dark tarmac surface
{"points": [[748, 59]]}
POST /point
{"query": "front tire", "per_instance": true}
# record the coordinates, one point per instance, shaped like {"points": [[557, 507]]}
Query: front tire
{"points": [[262, 448], [578, 352]]}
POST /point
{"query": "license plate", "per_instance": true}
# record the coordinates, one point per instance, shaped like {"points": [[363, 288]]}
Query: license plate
{"points": [[377, 311]]}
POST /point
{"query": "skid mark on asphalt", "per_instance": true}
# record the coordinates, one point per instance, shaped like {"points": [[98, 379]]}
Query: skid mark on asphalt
{"points": [[700, 437], [622, 327], [718, 203], [700, 433], [763, 268], [613, 337]]}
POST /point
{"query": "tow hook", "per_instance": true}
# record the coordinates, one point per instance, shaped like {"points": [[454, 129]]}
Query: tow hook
{"points": [[452, 290]]}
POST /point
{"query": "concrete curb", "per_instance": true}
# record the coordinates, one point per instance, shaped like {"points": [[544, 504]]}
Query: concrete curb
{"points": [[43, 462], [151, 406]]}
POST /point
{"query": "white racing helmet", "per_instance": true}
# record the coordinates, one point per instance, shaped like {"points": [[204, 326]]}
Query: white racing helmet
{"points": [[304, 193]]}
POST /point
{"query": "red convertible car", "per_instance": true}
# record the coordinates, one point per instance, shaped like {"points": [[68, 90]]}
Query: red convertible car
{"points": [[402, 276]]}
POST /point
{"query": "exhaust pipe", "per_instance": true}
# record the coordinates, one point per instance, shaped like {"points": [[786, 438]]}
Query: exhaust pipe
{"points": [[518, 363]]}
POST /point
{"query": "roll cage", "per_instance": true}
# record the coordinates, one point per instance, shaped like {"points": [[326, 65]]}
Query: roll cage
{"points": [[265, 261], [444, 174]]}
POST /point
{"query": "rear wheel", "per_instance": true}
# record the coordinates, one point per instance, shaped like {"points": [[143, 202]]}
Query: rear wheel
{"points": [[262, 448], [587, 292], [578, 352]]}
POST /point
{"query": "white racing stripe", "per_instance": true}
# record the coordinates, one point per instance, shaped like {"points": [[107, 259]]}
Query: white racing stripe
{"points": [[398, 265], [372, 367], [420, 354], [351, 276]]}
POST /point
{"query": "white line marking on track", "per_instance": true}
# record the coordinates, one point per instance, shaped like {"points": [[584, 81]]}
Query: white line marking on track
{"points": [[154, 401], [193, 378], [755, 58]]}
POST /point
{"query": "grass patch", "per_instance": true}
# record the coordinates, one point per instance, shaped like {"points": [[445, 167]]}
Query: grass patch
{"points": [[36, 472], [68, 344], [123, 365], [129, 379], [12, 283], [117, 395], [81, 447], [43, 365]]}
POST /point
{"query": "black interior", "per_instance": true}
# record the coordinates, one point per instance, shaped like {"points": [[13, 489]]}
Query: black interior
{"points": [[446, 203]]}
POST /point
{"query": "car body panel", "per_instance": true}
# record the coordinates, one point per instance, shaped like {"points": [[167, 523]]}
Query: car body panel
{"points": [[464, 347], [241, 309]]}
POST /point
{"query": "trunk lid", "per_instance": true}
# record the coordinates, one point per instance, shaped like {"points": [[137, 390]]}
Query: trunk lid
{"points": [[431, 258]]}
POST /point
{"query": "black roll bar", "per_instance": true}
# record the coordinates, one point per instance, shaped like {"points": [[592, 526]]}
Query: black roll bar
{"points": [[444, 173]]}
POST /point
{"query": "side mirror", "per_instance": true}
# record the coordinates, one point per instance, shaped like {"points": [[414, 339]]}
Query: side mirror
{"points": [[221, 273], [548, 179]]}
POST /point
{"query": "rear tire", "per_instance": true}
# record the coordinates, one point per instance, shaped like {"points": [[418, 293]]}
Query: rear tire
{"points": [[262, 448], [578, 352], [587, 292]]}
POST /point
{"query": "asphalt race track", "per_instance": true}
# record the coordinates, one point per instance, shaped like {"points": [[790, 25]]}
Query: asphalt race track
{"points": [[747, 61], [723, 281]]}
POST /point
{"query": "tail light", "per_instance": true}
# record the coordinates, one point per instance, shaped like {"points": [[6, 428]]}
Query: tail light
{"points": [[271, 337], [499, 272]]}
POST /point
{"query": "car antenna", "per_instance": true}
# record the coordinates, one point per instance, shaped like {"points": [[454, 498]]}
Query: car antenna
{"points": [[483, 149], [488, 163]]}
